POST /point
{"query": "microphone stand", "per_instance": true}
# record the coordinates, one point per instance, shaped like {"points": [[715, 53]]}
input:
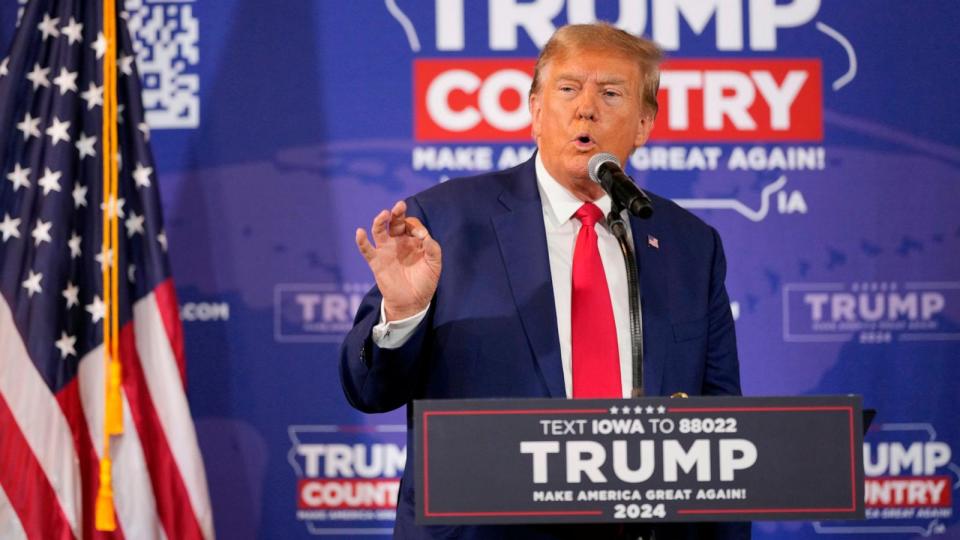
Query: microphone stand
{"points": [[619, 228]]}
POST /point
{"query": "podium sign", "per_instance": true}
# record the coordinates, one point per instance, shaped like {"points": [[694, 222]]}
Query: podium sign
{"points": [[652, 459]]}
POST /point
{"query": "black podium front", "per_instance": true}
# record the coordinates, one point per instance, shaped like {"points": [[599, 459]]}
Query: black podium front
{"points": [[638, 460]]}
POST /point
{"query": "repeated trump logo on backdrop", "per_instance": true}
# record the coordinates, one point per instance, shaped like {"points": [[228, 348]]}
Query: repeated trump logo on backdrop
{"points": [[348, 477], [911, 483], [743, 139], [871, 312]]}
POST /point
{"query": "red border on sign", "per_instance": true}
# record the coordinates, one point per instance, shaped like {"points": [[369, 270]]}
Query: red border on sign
{"points": [[426, 461]]}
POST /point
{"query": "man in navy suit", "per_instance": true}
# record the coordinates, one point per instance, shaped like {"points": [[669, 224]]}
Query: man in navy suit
{"points": [[477, 290]]}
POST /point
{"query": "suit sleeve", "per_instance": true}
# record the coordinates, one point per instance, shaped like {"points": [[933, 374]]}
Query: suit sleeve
{"points": [[722, 374], [375, 379]]}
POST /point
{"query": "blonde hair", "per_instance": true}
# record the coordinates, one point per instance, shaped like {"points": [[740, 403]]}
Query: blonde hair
{"points": [[605, 36]]}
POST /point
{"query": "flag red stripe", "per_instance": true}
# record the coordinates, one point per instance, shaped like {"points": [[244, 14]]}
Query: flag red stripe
{"points": [[69, 399], [173, 501], [170, 313], [26, 485]]}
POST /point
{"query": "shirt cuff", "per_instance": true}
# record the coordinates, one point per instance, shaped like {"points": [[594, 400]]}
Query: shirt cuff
{"points": [[394, 334]]}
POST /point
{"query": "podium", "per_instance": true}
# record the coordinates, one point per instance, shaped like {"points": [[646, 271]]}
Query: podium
{"points": [[638, 460]]}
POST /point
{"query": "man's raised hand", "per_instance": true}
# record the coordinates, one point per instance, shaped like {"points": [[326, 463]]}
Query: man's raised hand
{"points": [[405, 262]]}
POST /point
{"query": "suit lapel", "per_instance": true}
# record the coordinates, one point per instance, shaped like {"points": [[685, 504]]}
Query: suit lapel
{"points": [[523, 245], [652, 263]]}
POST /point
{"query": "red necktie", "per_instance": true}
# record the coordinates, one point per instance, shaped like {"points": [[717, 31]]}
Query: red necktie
{"points": [[596, 358]]}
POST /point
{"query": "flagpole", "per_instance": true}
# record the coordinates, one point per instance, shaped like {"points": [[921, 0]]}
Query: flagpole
{"points": [[105, 519]]}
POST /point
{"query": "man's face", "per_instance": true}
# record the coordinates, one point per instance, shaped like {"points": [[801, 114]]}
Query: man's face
{"points": [[588, 102]]}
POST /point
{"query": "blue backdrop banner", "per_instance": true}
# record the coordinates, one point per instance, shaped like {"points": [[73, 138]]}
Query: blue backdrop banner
{"points": [[820, 139]]}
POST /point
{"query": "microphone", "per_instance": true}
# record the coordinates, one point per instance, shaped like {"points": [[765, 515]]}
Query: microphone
{"points": [[605, 170]]}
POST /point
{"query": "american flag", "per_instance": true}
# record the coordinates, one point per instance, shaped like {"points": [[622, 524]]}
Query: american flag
{"points": [[52, 307]]}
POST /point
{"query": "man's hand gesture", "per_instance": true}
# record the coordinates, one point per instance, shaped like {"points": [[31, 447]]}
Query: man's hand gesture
{"points": [[405, 262]]}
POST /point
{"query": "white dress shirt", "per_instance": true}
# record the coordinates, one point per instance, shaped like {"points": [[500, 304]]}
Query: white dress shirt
{"points": [[559, 206]]}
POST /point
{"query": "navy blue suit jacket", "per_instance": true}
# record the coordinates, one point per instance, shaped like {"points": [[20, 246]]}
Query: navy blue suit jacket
{"points": [[491, 329]]}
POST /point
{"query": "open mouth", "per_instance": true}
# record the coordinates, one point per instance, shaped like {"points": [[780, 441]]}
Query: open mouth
{"points": [[583, 141]]}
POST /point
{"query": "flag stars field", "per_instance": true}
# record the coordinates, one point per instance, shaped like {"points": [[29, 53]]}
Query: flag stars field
{"points": [[48, 26], [85, 145], [74, 245], [19, 176], [97, 309], [30, 127], [79, 195], [39, 76], [134, 224], [66, 345], [100, 45], [73, 31], [41, 232], [66, 81], [126, 64], [93, 96], [32, 283], [72, 295], [50, 181], [9, 227], [53, 307], [58, 131], [141, 175]]}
